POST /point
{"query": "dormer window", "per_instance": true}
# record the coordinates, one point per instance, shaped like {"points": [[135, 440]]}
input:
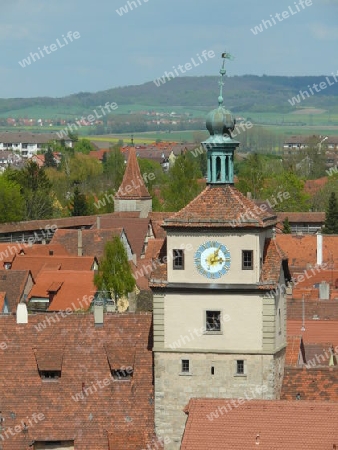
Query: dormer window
{"points": [[50, 374], [123, 374]]}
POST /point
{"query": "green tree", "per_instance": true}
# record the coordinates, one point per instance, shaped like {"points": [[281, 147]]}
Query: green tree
{"points": [[286, 226], [114, 167], [36, 190], [83, 146], [49, 158], [182, 186], [11, 201], [79, 204], [114, 274], [331, 221]]}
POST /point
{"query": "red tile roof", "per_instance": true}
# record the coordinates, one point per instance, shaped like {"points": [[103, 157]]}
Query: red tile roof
{"points": [[302, 217], [316, 331], [272, 263], [16, 283], [302, 250], [263, 424], [132, 186], [136, 230], [222, 206], [292, 350], [153, 248], [85, 404], [72, 289], [37, 263], [311, 384], [2, 300], [93, 241]]}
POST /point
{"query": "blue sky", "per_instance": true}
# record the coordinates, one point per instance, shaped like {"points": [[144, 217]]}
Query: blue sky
{"points": [[140, 45]]}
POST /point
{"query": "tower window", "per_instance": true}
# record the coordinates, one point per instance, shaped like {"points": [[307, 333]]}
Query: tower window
{"points": [[123, 373], [212, 370], [240, 367], [213, 321], [185, 366], [247, 260], [178, 259]]}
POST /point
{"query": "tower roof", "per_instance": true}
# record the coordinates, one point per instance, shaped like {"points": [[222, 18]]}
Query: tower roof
{"points": [[132, 186], [219, 207]]}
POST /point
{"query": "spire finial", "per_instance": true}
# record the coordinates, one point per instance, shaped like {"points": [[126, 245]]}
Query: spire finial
{"points": [[225, 56]]}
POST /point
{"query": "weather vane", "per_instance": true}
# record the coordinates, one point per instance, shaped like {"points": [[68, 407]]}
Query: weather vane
{"points": [[225, 56]]}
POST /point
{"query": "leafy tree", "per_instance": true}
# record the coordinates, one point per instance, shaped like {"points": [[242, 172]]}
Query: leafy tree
{"points": [[49, 158], [182, 184], [83, 146], [286, 226], [79, 204], [114, 274], [36, 190], [11, 201], [331, 221], [252, 175]]}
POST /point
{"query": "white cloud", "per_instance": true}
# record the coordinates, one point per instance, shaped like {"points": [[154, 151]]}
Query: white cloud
{"points": [[13, 32], [324, 32]]}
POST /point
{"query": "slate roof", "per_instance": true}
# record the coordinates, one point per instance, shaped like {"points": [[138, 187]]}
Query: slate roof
{"points": [[13, 282], [132, 186], [68, 289], [263, 424], [78, 405], [221, 206]]}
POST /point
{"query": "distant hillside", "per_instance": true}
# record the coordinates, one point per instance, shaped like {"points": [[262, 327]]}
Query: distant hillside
{"points": [[242, 93]]}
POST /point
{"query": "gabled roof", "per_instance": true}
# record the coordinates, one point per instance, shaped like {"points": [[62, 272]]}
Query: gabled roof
{"points": [[221, 206], [136, 230], [85, 404], [37, 263], [68, 289], [132, 186], [93, 241], [13, 282], [263, 424]]}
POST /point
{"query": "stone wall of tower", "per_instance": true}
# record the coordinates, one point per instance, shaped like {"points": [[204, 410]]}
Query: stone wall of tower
{"points": [[174, 389], [142, 205]]}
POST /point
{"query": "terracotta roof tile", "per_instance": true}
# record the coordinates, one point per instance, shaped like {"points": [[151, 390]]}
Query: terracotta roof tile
{"points": [[302, 250], [65, 289], [272, 262], [218, 207], [154, 247], [132, 186], [16, 283], [316, 331], [136, 230], [292, 350], [37, 263], [302, 217], [78, 405], [2, 300], [263, 424], [93, 241]]}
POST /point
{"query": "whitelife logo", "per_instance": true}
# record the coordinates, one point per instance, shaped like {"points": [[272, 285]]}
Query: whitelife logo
{"points": [[48, 49]]}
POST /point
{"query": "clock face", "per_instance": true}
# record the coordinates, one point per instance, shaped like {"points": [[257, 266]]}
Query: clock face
{"points": [[212, 259]]}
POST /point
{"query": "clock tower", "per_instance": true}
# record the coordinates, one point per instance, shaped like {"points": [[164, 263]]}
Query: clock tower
{"points": [[219, 298]]}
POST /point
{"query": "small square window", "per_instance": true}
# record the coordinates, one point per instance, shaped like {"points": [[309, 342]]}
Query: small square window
{"points": [[178, 259], [240, 367], [185, 365], [213, 321], [50, 374], [247, 260]]}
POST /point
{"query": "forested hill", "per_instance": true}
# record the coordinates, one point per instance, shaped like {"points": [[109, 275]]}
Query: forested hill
{"points": [[241, 93]]}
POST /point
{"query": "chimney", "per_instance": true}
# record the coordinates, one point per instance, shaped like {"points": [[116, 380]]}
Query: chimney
{"points": [[319, 248], [98, 222], [324, 291], [21, 313], [249, 195], [98, 313], [79, 243]]}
